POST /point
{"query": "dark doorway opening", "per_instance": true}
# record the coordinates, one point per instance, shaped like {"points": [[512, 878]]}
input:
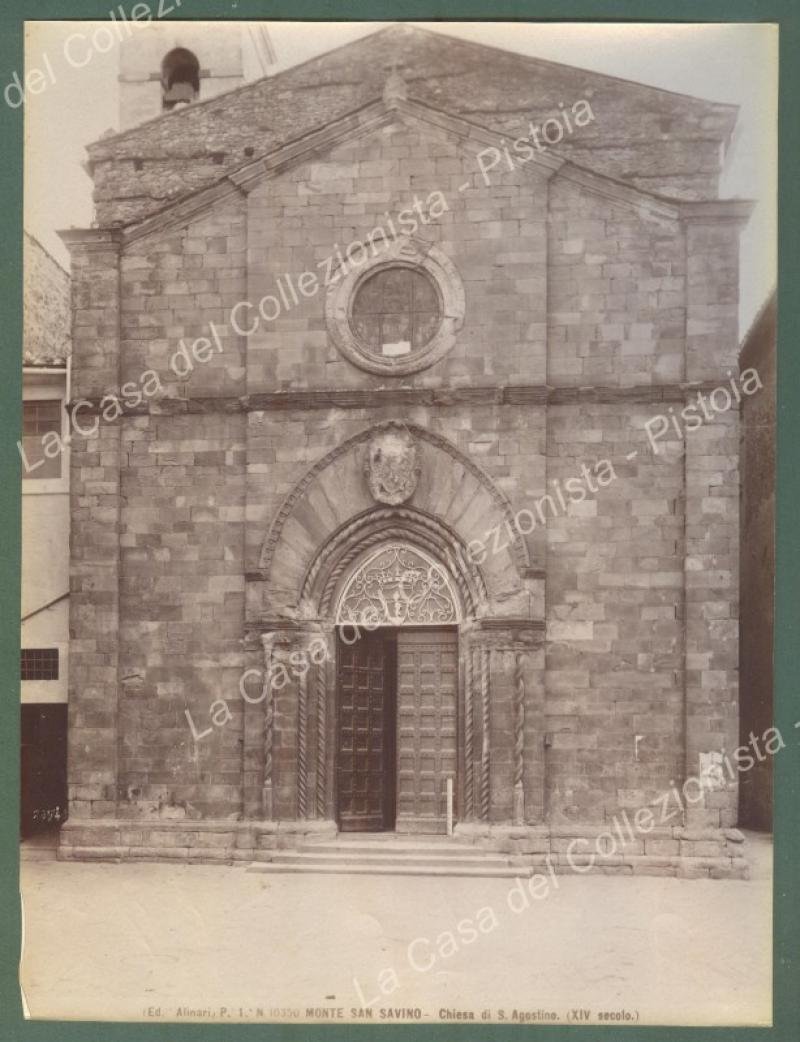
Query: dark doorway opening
{"points": [[366, 728], [43, 757]]}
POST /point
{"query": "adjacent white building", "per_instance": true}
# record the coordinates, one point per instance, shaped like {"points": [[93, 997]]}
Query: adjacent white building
{"points": [[45, 537]]}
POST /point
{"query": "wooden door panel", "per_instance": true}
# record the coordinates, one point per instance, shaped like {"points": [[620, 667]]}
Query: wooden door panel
{"points": [[365, 750], [427, 700]]}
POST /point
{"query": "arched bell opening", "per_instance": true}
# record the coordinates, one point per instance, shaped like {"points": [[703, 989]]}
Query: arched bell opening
{"points": [[180, 78]]}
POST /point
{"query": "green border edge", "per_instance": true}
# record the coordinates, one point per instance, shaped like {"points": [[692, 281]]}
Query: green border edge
{"points": [[786, 996]]}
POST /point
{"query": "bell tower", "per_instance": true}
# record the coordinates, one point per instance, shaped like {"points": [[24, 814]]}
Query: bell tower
{"points": [[165, 65]]}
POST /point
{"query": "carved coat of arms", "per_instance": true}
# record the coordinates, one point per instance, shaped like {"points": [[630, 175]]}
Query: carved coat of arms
{"points": [[392, 465]]}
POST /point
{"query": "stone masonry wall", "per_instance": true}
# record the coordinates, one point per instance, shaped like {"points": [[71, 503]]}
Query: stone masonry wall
{"points": [[177, 283], [494, 235], [615, 617], [567, 291], [712, 515], [95, 469], [182, 613], [45, 307], [712, 607], [617, 286]]}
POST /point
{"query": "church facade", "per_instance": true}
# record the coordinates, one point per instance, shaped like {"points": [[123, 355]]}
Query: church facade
{"points": [[404, 495]]}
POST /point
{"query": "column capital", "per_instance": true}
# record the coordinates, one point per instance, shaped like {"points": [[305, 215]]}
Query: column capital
{"points": [[510, 633], [288, 635], [91, 239]]}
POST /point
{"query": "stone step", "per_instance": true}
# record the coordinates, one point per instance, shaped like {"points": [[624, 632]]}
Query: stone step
{"points": [[40, 847], [367, 846], [391, 868], [39, 854], [410, 858], [361, 855], [388, 836]]}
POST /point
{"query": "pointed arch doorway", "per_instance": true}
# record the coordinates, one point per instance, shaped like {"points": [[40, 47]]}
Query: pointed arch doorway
{"points": [[397, 692]]}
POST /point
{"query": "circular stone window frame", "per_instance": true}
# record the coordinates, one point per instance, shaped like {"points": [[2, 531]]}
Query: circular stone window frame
{"points": [[424, 257]]}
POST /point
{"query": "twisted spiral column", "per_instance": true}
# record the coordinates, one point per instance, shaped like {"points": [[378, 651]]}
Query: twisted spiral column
{"points": [[485, 736], [322, 737], [302, 743], [469, 738], [519, 741], [269, 733]]}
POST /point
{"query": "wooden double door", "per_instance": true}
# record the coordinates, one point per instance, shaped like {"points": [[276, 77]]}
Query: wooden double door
{"points": [[397, 713]]}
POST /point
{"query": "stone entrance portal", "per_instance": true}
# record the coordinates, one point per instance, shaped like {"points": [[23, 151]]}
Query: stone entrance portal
{"points": [[397, 692], [432, 661]]}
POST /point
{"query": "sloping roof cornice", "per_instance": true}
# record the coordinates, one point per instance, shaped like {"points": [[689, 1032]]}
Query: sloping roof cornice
{"points": [[389, 39]]}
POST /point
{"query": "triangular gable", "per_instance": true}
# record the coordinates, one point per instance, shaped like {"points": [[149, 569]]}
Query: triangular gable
{"points": [[381, 112], [500, 91]]}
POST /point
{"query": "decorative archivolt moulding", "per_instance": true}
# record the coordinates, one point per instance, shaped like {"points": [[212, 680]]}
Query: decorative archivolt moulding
{"points": [[517, 548], [411, 253], [376, 528]]}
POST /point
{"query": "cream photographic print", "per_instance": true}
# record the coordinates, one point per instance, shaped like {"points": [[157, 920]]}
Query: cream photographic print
{"points": [[398, 504]]}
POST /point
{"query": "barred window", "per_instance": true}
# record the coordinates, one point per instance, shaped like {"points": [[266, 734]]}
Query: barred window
{"points": [[38, 419], [39, 663]]}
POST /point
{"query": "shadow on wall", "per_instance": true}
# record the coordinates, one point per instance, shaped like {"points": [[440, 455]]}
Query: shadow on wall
{"points": [[757, 564]]}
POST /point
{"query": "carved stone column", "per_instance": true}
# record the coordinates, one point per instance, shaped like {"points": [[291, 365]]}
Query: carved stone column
{"points": [[484, 658], [504, 722], [469, 738], [296, 658], [323, 682], [477, 730], [519, 739], [268, 641]]}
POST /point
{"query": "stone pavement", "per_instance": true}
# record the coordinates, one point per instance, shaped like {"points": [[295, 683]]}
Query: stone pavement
{"points": [[133, 941]]}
